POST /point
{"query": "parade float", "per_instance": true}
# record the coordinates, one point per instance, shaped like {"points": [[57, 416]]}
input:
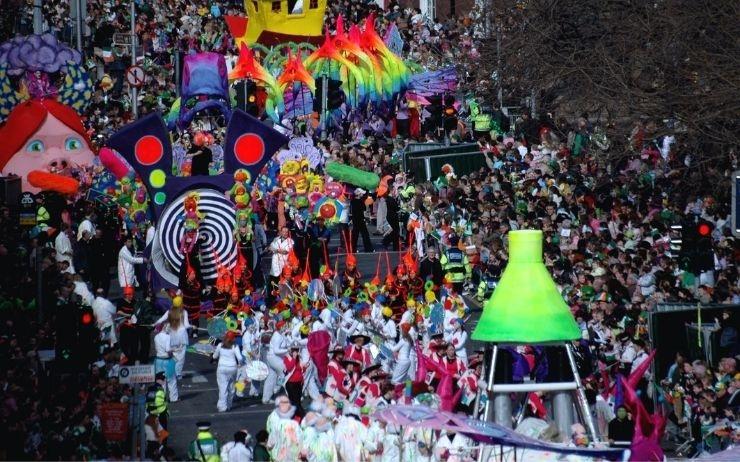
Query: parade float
{"points": [[43, 90]]}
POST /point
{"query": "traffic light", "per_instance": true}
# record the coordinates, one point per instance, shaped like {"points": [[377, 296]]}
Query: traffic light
{"points": [[246, 97], [335, 95], [88, 338], [704, 253], [696, 254]]}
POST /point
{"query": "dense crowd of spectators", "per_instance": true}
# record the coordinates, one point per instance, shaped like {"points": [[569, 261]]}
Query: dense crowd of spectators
{"points": [[607, 224]]}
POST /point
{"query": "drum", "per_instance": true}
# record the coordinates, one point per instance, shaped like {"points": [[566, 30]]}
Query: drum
{"points": [[217, 327], [257, 371]]}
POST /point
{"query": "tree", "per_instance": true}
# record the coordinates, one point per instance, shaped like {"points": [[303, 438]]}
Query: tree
{"points": [[675, 63]]}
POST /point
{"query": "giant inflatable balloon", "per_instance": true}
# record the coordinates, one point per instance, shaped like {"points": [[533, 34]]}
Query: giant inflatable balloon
{"points": [[43, 86], [44, 142]]}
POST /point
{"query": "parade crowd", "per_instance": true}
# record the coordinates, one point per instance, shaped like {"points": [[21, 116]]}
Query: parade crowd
{"points": [[329, 346]]}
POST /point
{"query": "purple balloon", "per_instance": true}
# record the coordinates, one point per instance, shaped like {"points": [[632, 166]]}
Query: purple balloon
{"points": [[34, 40], [64, 56], [46, 55], [50, 68], [14, 59], [50, 40]]}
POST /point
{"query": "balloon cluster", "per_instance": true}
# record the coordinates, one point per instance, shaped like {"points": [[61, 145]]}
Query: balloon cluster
{"points": [[33, 53]]}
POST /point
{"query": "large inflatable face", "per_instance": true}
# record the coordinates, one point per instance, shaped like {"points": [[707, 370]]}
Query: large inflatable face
{"points": [[47, 140]]}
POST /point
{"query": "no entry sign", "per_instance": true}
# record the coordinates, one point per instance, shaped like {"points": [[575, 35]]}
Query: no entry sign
{"points": [[135, 76]]}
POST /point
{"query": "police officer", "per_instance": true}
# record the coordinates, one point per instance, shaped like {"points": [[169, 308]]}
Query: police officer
{"points": [[205, 447], [156, 402], [487, 284], [455, 265]]}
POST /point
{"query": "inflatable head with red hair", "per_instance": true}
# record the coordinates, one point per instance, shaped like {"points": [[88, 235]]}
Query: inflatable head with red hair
{"points": [[44, 142]]}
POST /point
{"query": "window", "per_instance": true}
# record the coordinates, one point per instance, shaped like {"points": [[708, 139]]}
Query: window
{"points": [[256, 6], [313, 4], [276, 6]]}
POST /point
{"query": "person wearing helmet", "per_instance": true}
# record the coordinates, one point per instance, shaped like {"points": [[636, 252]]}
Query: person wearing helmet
{"points": [[455, 264]]}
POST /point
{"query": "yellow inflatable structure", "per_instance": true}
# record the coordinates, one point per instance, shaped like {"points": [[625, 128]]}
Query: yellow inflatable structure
{"points": [[274, 22]]}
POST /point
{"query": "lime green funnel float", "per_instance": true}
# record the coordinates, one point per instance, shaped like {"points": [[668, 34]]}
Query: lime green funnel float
{"points": [[526, 307]]}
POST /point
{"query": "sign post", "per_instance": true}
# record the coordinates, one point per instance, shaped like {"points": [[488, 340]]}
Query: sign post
{"points": [[735, 203], [137, 376]]}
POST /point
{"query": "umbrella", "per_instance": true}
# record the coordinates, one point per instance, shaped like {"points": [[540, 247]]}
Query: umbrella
{"points": [[418, 98], [416, 416]]}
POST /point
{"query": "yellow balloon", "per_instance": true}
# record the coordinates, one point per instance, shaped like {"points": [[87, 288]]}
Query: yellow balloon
{"points": [[239, 386], [429, 296]]}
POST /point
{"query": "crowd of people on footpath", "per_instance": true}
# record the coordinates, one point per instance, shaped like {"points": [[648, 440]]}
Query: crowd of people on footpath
{"points": [[607, 226]]}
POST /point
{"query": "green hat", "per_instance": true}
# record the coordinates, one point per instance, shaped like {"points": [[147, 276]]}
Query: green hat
{"points": [[587, 292]]}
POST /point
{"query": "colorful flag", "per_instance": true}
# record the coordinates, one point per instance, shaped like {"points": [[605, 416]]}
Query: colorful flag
{"points": [[393, 40]]}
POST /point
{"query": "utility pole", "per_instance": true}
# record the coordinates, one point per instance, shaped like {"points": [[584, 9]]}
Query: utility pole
{"points": [[324, 91], [134, 95], [38, 17], [78, 24]]}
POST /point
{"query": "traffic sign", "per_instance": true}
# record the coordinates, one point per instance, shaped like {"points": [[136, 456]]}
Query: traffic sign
{"points": [[122, 39], [135, 76], [143, 373]]}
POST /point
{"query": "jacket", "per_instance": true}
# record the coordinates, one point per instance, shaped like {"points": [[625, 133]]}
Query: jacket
{"points": [[204, 448], [126, 262]]}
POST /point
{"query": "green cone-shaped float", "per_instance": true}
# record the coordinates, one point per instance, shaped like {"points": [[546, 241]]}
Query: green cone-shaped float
{"points": [[526, 306]]}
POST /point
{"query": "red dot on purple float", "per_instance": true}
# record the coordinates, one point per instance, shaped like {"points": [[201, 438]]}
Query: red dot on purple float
{"points": [[148, 150], [249, 149]]}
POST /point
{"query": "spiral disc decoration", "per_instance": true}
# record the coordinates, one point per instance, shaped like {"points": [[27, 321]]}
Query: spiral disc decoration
{"points": [[217, 226]]}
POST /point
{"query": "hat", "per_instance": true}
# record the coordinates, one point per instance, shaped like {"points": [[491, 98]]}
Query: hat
{"points": [[365, 338], [387, 312], [475, 361], [370, 369], [279, 325], [128, 290], [347, 362], [160, 375], [337, 350], [203, 425]]}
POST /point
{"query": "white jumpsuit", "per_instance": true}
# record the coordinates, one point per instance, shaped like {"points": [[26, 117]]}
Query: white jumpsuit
{"points": [[228, 361], [403, 361], [277, 349]]}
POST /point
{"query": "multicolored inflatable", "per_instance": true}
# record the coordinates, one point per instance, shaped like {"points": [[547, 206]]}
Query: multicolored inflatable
{"points": [[42, 86], [271, 22]]}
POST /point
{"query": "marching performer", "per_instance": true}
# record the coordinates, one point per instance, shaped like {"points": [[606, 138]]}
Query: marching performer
{"points": [[229, 357], [338, 381], [177, 320], [388, 331], [277, 349], [458, 338], [285, 433], [357, 351], [402, 352], [164, 361]]}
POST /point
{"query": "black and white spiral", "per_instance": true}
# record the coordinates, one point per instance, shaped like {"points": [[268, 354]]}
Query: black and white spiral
{"points": [[217, 227]]}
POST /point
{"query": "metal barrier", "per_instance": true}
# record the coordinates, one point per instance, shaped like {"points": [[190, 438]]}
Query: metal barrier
{"points": [[423, 159]]}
